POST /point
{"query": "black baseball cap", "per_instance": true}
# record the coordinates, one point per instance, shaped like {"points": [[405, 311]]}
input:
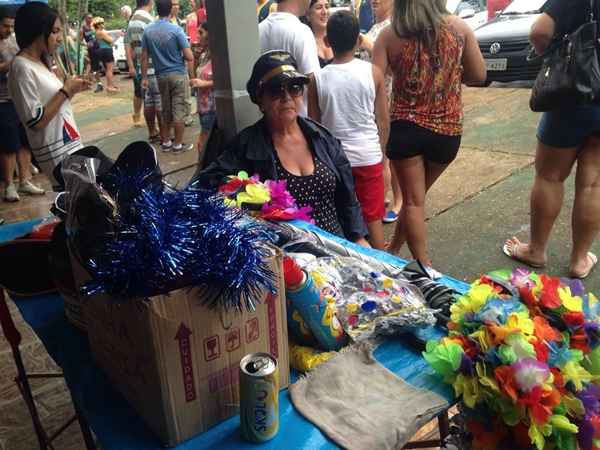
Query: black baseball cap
{"points": [[273, 67]]}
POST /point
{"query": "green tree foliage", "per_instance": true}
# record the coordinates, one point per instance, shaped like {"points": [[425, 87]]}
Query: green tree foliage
{"points": [[110, 10]]}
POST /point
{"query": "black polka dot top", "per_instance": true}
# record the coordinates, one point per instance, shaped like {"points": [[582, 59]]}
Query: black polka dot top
{"points": [[317, 191]]}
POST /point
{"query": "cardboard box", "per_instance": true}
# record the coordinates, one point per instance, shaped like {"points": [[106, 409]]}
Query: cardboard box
{"points": [[177, 362]]}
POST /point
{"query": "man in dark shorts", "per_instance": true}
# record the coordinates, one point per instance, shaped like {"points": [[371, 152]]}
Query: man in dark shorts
{"points": [[14, 151]]}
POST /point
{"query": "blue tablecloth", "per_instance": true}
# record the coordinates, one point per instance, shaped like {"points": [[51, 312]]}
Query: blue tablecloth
{"points": [[119, 428]]}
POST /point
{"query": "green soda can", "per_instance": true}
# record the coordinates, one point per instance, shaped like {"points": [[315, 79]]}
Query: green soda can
{"points": [[259, 397]]}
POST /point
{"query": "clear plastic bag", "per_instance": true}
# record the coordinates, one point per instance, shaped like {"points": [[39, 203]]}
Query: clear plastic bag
{"points": [[369, 303]]}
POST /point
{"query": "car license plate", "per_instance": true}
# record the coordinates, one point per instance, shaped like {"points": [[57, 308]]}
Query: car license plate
{"points": [[496, 65]]}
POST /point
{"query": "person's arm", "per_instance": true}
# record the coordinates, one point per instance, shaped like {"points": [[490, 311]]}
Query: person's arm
{"points": [[129, 55], [32, 112], [314, 111], [382, 114], [202, 84], [186, 51], [542, 32], [474, 71], [5, 66], [144, 68], [366, 43], [102, 34], [188, 56], [379, 56]]}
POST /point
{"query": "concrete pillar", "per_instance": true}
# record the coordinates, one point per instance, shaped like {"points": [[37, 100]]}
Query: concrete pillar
{"points": [[234, 47]]}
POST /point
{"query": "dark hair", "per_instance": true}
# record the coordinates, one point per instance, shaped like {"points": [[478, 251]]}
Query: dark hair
{"points": [[33, 20], [6, 13], [164, 7], [342, 31], [142, 3], [204, 25]]}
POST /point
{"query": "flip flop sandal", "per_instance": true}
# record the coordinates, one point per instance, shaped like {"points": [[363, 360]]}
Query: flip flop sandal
{"points": [[513, 255], [592, 257]]}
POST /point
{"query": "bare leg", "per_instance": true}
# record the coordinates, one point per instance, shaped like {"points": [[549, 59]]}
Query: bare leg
{"points": [[179, 130], [8, 163], [432, 173], [586, 207], [24, 164], [413, 174], [552, 167], [137, 111], [396, 191], [150, 115], [376, 235], [202, 138], [110, 86]]}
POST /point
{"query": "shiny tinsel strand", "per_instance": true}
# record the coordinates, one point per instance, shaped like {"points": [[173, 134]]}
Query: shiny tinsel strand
{"points": [[169, 239]]}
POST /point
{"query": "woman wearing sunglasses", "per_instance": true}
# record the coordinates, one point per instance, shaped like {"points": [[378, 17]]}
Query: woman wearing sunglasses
{"points": [[285, 146]]}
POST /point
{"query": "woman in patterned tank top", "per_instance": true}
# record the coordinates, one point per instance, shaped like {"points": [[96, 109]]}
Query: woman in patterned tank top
{"points": [[430, 54]]}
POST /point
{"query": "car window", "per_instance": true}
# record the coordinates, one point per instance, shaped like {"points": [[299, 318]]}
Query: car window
{"points": [[524, 6], [456, 6]]}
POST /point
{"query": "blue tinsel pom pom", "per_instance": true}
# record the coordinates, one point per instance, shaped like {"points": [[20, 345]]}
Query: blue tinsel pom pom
{"points": [[168, 239]]}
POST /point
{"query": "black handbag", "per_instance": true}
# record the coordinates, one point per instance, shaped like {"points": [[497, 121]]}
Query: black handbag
{"points": [[570, 73]]}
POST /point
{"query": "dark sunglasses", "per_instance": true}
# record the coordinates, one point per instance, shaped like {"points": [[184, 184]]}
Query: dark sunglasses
{"points": [[279, 90]]}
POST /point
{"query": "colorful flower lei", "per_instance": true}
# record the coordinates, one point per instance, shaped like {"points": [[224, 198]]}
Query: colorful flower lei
{"points": [[271, 199], [523, 354]]}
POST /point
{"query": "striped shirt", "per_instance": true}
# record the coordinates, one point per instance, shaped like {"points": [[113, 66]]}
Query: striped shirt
{"points": [[31, 86], [135, 30]]}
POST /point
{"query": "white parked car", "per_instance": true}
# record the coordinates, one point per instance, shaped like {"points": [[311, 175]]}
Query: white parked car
{"points": [[119, 50], [474, 12]]}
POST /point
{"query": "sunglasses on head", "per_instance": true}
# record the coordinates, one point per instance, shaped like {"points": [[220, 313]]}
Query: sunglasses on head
{"points": [[279, 90]]}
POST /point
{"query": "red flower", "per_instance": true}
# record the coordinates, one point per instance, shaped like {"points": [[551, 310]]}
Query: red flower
{"points": [[543, 331], [506, 380], [527, 296], [471, 348], [579, 341], [559, 381], [540, 403], [549, 296], [541, 350], [574, 319]]}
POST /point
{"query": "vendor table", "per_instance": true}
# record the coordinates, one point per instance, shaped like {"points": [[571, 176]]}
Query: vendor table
{"points": [[118, 427]]}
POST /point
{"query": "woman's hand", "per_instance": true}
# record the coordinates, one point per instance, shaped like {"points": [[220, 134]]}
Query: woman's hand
{"points": [[76, 85]]}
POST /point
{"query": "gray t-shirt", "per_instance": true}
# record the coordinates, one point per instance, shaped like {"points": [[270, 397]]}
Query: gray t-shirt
{"points": [[8, 51]]}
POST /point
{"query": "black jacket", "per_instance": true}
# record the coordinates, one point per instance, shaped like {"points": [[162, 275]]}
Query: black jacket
{"points": [[252, 150]]}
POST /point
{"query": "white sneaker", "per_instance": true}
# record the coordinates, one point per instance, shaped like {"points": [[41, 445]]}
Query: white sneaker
{"points": [[34, 170], [10, 193], [29, 188]]}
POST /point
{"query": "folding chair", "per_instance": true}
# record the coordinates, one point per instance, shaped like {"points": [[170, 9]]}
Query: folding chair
{"points": [[22, 250]]}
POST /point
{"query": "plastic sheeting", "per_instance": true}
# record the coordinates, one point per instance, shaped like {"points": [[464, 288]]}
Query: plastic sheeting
{"points": [[119, 428]]}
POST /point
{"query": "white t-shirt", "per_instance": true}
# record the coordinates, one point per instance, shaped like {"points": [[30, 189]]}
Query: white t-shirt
{"points": [[31, 86], [346, 95], [284, 31]]}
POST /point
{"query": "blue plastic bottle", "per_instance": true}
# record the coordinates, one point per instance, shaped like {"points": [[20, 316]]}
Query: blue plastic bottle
{"points": [[318, 313]]}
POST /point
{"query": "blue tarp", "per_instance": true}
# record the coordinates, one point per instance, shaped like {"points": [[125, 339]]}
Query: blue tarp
{"points": [[118, 427]]}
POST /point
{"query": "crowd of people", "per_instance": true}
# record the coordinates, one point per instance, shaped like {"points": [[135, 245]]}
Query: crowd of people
{"points": [[354, 105]]}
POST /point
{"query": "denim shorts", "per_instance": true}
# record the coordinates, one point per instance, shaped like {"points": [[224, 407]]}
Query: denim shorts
{"points": [[570, 127], [207, 120]]}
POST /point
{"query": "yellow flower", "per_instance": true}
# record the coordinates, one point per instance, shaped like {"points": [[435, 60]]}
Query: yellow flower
{"points": [[256, 194], [468, 387], [572, 303], [521, 322], [472, 301], [576, 374]]}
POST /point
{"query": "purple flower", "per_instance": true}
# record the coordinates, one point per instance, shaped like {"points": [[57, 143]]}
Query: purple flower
{"points": [[467, 367], [520, 278], [280, 197], [590, 397], [592, 333], [576, 286]]}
